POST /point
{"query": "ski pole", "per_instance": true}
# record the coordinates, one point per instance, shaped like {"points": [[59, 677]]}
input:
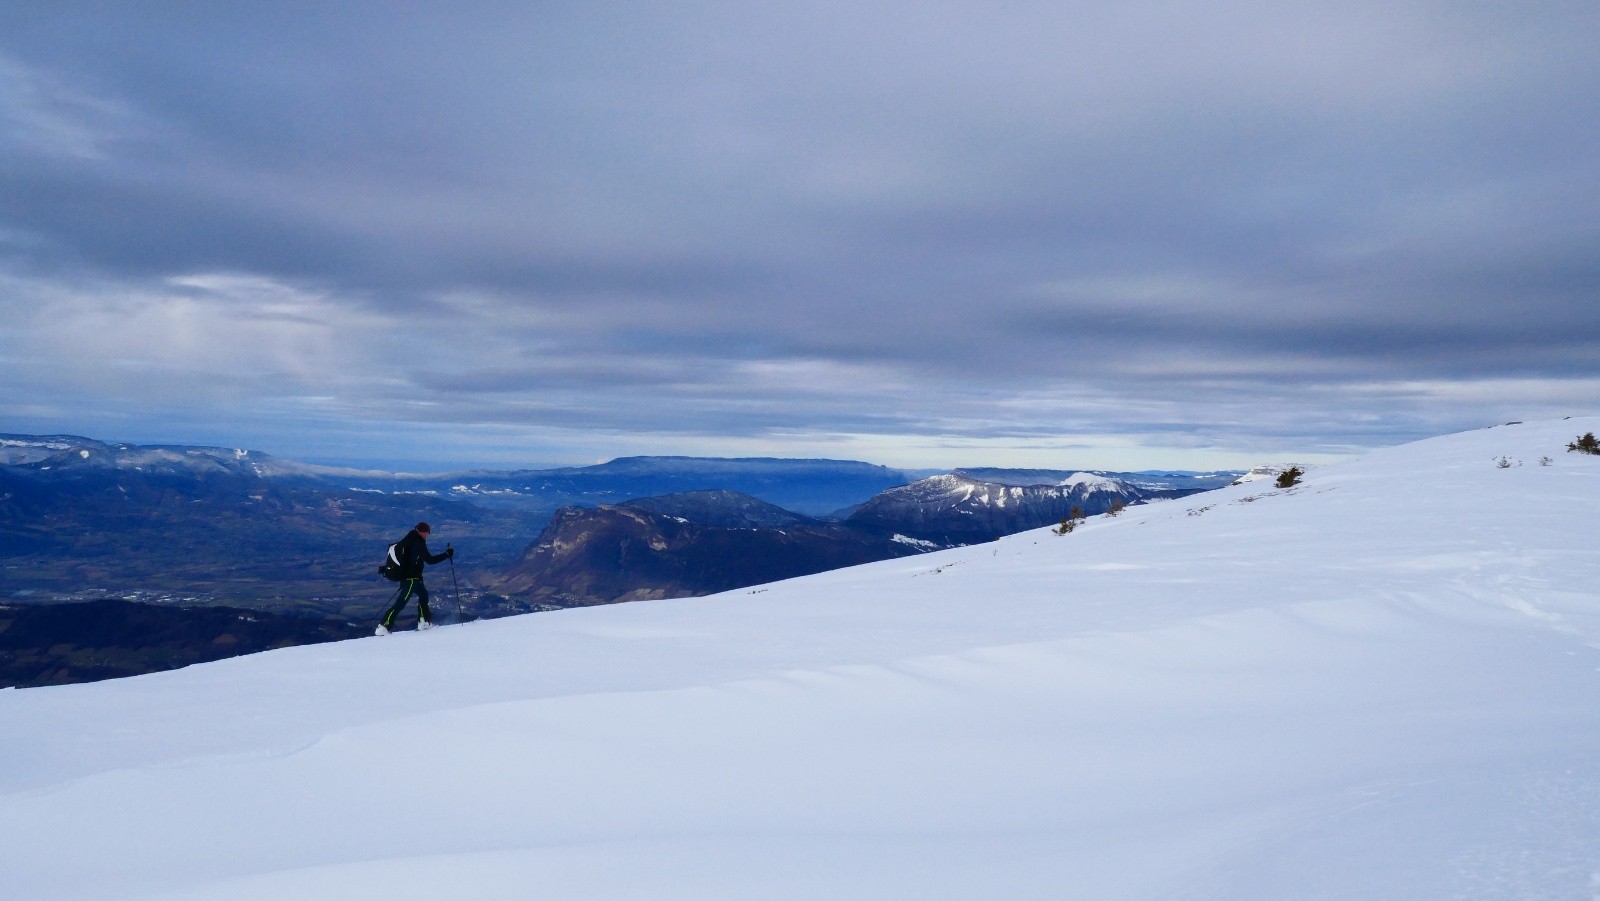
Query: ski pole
{"points": [[460, 617]]}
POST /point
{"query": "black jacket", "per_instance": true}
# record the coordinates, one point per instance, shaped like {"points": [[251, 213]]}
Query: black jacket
{"points": [[413, 552]]}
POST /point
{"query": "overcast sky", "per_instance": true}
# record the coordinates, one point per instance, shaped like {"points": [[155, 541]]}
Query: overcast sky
{"points": [[1110, 235]]}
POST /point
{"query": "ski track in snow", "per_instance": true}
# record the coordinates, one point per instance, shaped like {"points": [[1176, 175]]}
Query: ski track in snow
{"points": [[1383, 683]]}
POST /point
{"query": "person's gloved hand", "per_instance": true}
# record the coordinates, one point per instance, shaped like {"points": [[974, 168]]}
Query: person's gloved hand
{"points": [[449, 552]]}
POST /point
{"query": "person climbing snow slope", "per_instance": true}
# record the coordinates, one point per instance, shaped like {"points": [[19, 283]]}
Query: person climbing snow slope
{"points": [[411, 553]]}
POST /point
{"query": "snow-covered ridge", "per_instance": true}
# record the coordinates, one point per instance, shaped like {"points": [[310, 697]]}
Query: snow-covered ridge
{"points": [[25, 449], [1093, 482], [1381, 683], [79, 451], [1148, 480], [1269, 471], [963, 490]]}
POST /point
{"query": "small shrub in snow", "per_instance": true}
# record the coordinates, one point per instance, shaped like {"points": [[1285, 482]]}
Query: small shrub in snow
{"points": [[1117, 506], [1585, 445], [1070, 522], [1503, 462], [1545, 461], [1290, 477]]}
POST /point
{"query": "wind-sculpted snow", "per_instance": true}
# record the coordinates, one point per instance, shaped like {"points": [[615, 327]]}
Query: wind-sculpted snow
{"points": [[1382, 683]]}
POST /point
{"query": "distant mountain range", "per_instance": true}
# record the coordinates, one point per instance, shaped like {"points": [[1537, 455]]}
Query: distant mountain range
{"points": [[188, 527], [812, 487], [82, 518], [704, 542]]}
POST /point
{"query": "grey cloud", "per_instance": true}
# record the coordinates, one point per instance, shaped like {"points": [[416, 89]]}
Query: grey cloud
{"points": [[595, 213]]}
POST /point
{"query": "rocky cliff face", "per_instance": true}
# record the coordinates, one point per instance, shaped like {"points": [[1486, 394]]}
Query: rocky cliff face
{"points": [[651, 548]]}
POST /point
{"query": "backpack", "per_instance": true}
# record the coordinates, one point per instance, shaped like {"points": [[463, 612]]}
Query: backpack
{"points": [[392, 566]]}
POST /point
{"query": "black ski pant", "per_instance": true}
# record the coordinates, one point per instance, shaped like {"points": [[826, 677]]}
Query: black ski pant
{"points": [[408, 588]]}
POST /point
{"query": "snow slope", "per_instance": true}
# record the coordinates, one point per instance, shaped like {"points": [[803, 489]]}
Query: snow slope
{"points": [[1383, 683]]}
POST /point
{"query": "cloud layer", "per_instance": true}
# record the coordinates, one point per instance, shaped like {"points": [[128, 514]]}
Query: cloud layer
{"points": [[929, 233]]}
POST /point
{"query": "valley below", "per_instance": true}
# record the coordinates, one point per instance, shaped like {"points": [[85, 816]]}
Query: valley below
{"points": [[194, 528]]}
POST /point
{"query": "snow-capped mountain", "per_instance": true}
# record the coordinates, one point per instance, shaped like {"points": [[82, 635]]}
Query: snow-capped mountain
{"points": [[955, 509], [22, 449], [1268, 472], [69, 453], [1382, 683], [1148, 480]]}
